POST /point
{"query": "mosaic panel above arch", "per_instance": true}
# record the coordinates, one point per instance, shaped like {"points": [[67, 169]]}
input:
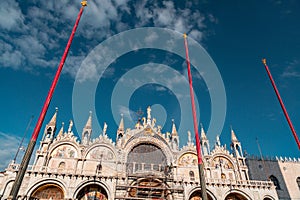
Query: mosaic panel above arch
{"points": [[101, 152], [221, 161], [188, 159], [64, 151], [48, 191]]}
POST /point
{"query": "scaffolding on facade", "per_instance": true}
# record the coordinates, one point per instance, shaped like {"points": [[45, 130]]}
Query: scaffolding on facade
{"points": [[146, 185]]}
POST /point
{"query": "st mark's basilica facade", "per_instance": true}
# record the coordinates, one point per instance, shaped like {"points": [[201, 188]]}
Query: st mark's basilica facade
{"points": [[142, 163]]}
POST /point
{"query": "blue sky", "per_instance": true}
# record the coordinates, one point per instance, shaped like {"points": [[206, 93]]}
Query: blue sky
{"points": [[235, 34]]}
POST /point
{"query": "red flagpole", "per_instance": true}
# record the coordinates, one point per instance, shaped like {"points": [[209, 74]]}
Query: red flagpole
{"points": [[30, 148], [198, 145], [281, 104]]}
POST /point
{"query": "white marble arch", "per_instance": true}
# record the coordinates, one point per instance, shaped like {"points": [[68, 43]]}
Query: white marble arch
{"points": [[237, 191], [195, 189], [38, 183]]}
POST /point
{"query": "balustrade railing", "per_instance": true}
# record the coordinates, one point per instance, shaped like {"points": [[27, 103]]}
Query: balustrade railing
{"points": [[136, 168]]}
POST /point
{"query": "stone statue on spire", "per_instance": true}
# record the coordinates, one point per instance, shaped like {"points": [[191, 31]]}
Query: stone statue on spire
{"points": [[149, 112], [70, 126]]}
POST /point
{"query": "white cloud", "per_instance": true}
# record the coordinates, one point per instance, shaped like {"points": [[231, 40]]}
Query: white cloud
{"points": [[8, 149], [35, 36], [11, 16], [292, 70]]}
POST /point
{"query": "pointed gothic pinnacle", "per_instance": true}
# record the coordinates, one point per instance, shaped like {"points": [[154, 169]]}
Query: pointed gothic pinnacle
{"points": [[121, 124], [149, 112], [61, 131], [203, 135], [174, 130], [70, 126], [233, 136], [52, 122], [88, 124]]}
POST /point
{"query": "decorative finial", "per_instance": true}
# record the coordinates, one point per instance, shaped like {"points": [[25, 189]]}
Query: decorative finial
{"points": [[184, 35], [56, 109], [70, 126], [84, 3], [189, 137], [104, 128], [264, 61], [149, 112]]}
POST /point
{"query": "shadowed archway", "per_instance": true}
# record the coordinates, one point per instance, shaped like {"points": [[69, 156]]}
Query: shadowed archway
{"points": [[93, 191]]}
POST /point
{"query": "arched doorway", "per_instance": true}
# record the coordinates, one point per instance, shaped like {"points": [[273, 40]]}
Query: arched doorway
{"points": [[146, 157], [93, 191], [149, 188], [197, 196], [48, 191], [235, 196]]}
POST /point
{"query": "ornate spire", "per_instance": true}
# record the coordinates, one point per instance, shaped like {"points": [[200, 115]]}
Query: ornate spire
{"points": [[149, 112], [70, 126], [203, 135], [104, 128], [52, 122], [233, 136], [218, 142], [149, 115], [61, 131], [121, 124], [120, 131], [189, 137], [88, 124], [174, 130]]}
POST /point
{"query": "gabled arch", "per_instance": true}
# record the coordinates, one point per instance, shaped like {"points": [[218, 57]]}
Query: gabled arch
{"points": [[149, 139], [65, 143], [146, 157]]}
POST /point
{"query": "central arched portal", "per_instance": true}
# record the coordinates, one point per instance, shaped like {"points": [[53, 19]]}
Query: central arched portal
{"points": [[146, 157], [197, 196], [235, 196], [93, 191]]}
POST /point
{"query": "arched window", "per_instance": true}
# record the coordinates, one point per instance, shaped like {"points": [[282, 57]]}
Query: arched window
{"points": [[275, 181], [49, 131], [145, 157], [298, 182], [205, 148], [192, 175]]}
